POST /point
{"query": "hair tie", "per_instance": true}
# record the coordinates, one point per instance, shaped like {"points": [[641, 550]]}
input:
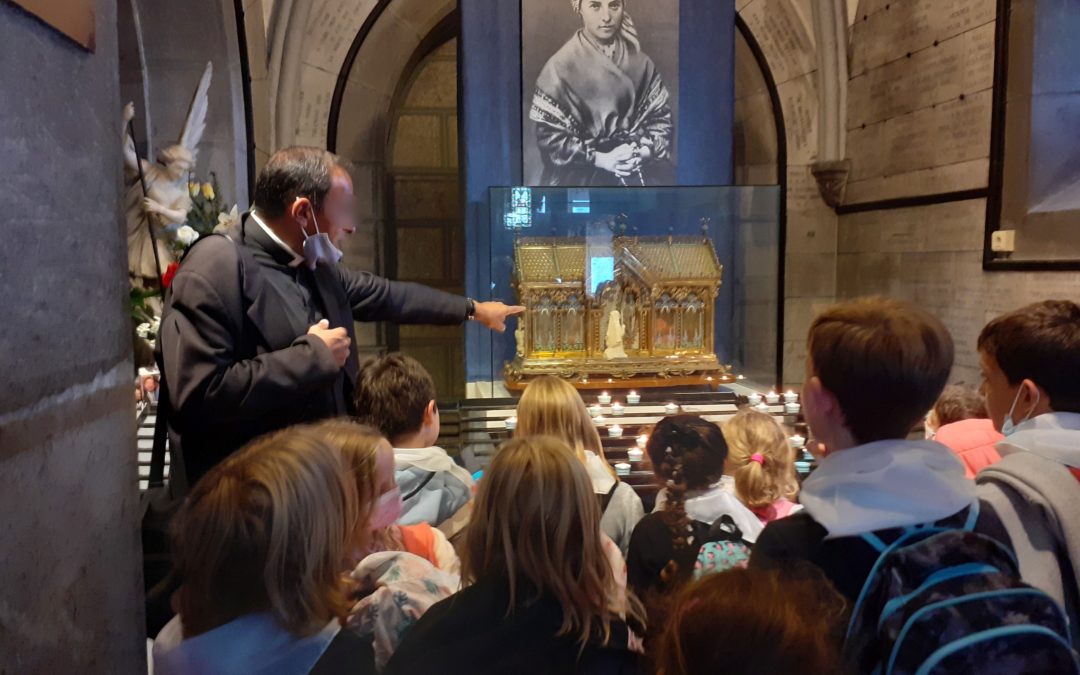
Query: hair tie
{"points": [[758, 457]]}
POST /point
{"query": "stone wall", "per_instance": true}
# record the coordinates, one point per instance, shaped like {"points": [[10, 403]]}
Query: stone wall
{"points": [[919, 124], [70, 579], [783, 29]]}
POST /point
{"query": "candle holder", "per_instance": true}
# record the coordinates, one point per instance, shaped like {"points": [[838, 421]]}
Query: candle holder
{"points": [[617, 409], [797, 442], [622, 469], [633, 398], [614, 431], [642, 441], [604, 399], [671, 408], [792, 408], [754, 399], [635, 455], [595, 410], [791, 397], [510, 423], [599, 420], [772, 398], [762, 407]]}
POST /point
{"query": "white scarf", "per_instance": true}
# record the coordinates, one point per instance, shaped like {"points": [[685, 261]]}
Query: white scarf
{"points": [[886, 484]]}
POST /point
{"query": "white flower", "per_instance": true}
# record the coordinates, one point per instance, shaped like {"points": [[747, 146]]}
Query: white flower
{"points": [[187, 235], [148, 330], [226, 220]]}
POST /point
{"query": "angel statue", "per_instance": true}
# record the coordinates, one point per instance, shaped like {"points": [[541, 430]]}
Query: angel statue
{"points": [[166, 203], [614, 339]]}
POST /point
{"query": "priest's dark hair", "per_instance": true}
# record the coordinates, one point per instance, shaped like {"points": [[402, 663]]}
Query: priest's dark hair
{"points": [[292, 172]]}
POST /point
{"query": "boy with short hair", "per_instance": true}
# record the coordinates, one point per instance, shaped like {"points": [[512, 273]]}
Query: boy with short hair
{"points": [[396, 395], [874, 367], [1030, 362]]}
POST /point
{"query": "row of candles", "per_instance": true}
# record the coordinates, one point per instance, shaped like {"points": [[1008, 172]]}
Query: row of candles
{"points": [[760, 402]]}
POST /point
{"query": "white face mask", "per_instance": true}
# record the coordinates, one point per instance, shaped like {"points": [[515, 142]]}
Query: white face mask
{"points": [[319, 248], [388, 508], [1008, 427]]}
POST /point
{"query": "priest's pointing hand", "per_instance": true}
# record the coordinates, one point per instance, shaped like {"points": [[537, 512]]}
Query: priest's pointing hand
{"points": [[494, 314]]}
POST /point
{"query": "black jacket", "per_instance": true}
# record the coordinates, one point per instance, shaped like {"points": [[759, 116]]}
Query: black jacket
{"points": [[234, 348], [471, 633]]}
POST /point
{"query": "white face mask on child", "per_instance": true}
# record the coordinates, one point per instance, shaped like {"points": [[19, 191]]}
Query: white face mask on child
{"points": [[1008, 427], [388, 508]]}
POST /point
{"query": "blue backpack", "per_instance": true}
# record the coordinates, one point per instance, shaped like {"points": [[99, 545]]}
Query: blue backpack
{"points": [[941, 601]]}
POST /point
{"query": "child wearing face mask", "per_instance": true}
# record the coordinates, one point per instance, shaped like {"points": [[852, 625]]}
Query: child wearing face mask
{"points": [[400, 570], [395, 395], [1030, 362]]}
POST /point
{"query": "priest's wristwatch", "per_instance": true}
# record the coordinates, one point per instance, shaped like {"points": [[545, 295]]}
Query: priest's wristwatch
{"points": [[470, 309]]}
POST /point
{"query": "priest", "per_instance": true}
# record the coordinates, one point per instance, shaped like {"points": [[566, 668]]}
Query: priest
{"points": [[258, 333]]}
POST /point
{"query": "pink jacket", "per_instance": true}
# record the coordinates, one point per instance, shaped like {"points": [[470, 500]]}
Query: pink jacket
{"points": [[973, 442]]}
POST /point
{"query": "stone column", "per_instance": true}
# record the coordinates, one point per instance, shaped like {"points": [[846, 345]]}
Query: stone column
{"points": [[70, 572]]}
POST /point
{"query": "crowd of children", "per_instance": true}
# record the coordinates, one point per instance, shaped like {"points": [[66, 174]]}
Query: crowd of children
{"points": [[361, 546]]}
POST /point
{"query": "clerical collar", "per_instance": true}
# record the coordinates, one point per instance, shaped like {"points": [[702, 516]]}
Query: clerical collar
{"points": [[296, 259]]}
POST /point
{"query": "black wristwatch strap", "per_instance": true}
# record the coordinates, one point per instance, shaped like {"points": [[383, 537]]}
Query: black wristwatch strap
{"points": [[470, 309]]}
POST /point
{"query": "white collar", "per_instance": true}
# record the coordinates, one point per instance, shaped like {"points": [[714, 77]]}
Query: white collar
{"points": [[886, 484], [1054, 436], [708, 506], [297, 260], [602, 480]]}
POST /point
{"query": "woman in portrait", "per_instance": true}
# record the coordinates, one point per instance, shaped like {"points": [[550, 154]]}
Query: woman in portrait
{"points": [[602, 112]]}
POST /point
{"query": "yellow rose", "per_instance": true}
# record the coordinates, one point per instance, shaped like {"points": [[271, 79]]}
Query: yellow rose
{"points": [[208, 191], [193, 188]]}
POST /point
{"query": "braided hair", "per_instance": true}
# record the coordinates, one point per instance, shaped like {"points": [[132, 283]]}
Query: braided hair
{"points": [[687, 453]]}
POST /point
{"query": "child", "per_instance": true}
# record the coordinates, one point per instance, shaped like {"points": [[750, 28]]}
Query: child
{"points": [[397, 396], [1030, 361], [959, 421], [763, 464], [371, 460], [874, 367], [540, 593], [259, 545], [552, 407], [753, 622], [687, 455], [401, 570]]}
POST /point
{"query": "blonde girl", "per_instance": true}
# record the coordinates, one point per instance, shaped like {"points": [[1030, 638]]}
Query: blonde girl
{"points": [[260, 544], [762, 463], [538, 579], [550, 406]]}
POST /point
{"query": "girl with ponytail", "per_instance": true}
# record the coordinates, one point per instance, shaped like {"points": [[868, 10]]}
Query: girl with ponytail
{"points": [[687, 455], [763, 465]]}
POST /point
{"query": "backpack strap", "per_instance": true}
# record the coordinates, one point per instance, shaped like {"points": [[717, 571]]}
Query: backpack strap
{"points": [[905, 537], [605, 499]]}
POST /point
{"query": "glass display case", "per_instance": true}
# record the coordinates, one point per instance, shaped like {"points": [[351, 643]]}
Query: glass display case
{"points": [[643, 286]]}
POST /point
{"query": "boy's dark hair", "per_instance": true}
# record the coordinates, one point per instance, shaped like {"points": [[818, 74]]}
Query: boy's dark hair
{"points": [[884, 360], [959, 402], [1041, 343], [293, 172], [392, 393]]}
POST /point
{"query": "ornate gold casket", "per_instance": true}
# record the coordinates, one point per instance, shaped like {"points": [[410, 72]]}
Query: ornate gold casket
{"points": [[660, 290]]}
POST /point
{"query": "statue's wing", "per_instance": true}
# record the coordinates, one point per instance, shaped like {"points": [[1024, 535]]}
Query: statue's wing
{"points": [[195, 123]]}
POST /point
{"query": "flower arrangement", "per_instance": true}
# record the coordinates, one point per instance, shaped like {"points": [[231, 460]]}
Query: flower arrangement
{"points": [[207, 214]]}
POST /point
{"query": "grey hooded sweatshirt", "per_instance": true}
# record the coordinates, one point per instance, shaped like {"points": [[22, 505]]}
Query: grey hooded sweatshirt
{"points": [[1037, 500]]}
